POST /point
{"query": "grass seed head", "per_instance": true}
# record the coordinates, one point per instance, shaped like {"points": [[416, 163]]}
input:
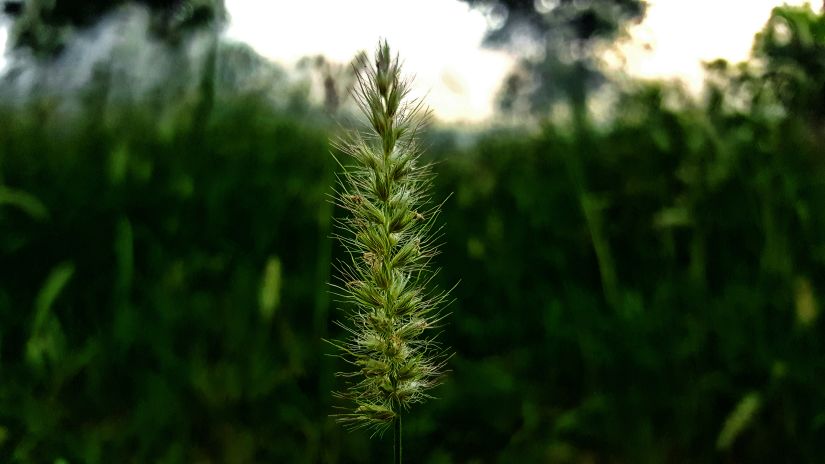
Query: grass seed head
{"points": [[383, 190]]}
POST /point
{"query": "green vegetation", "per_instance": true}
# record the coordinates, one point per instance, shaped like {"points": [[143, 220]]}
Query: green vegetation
{"points": [[647, 289]]}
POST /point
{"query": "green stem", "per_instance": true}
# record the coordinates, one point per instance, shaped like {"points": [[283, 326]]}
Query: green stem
{"points": [[397, 441]]}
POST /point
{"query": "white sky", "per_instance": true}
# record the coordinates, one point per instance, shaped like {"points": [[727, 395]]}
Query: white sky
{"points": [[682, 35], [440, 41], [4, 35]]}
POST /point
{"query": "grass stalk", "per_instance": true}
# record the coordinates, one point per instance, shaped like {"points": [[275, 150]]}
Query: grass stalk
{"points": [[397, 441], [389, 235]]}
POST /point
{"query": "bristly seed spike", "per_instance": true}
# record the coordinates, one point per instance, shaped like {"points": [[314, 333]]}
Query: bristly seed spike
{"points": [[388, 235]]}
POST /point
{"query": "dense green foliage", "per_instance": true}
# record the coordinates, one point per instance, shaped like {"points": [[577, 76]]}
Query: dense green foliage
{"points": [[644, 290]]}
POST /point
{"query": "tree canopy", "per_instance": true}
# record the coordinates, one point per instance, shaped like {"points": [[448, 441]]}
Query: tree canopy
{"points": [[564, 35], [44, 26]]}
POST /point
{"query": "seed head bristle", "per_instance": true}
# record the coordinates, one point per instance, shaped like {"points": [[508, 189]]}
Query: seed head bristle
{"points": [[388, 233]]}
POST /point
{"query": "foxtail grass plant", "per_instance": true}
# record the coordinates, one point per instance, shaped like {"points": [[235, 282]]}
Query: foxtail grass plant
{"points": [[389, 234]]}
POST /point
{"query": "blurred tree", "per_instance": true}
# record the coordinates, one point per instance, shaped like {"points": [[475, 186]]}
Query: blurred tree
{"points": [[556, 40], [562, 67], [44, 26], [185, 48], [336, 79], [792, 47]]}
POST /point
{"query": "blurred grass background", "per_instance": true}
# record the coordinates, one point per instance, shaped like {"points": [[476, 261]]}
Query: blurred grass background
{"points": [[640, 290]]}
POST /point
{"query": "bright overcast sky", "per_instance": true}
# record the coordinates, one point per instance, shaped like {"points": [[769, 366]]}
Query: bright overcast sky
{"points": [[682, 35], [440, 40]]}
